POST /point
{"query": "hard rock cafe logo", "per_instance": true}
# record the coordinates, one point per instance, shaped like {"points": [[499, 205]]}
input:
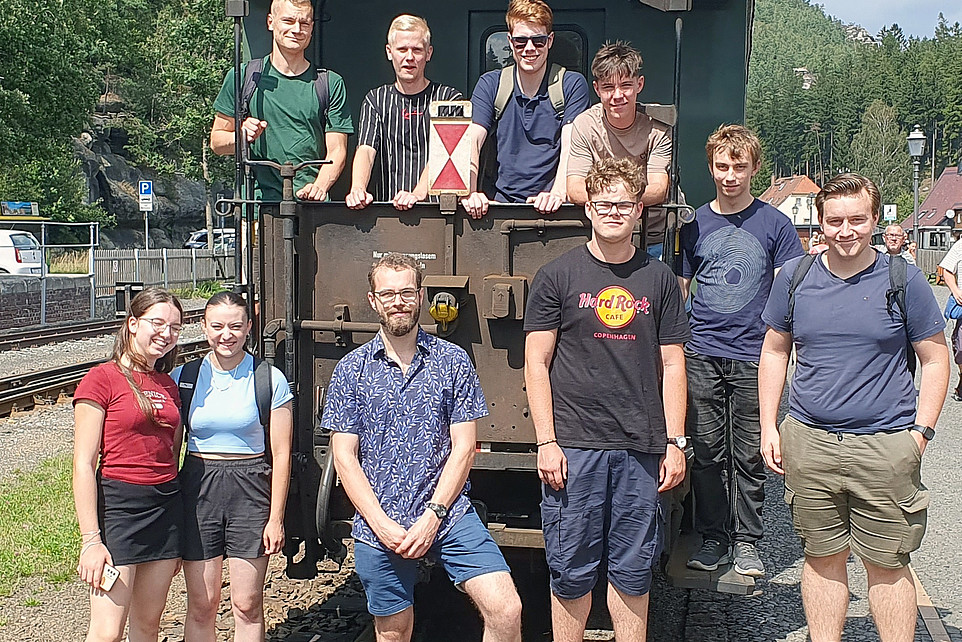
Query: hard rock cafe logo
{"points": [[615, 306]]}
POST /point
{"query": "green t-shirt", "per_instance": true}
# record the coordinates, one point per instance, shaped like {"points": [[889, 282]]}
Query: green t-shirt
{"points": [[294, 131]]}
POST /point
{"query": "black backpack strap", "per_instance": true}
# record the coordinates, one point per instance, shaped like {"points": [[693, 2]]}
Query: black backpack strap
{"points": [[252, 76], [322, 87], [895, 297], [800, 271], [263, 391], [185, 385]]}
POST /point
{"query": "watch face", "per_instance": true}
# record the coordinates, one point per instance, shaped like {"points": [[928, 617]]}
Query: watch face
{"points": [[681, 442]]}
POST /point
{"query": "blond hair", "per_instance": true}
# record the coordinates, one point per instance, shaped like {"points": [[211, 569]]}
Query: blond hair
{"points": [[407, 22], [534, 11], [301, 4], [737, 140], [606, 172]]}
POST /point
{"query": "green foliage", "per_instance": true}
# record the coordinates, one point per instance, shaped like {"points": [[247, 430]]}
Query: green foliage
{"points": [[863, 99], [204, 290], [38, 525]]}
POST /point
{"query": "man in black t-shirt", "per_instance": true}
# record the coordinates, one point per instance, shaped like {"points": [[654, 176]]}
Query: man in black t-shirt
{"points": [[390, 163], [605, 375]]}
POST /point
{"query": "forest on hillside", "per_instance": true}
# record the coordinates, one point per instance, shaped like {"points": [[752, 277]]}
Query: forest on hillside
{"points": [[821, 103]]}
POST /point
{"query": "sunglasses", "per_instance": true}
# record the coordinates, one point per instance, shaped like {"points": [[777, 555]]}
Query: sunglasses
{"points": [[520, 42]]}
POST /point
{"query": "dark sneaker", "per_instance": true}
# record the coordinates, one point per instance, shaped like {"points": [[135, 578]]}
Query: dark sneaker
{"points": [[709, 556], [746, 560], [957, 395]]}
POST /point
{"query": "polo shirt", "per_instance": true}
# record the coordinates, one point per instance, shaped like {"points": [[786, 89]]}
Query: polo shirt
{"points": [[403, 423], [528, 133]]}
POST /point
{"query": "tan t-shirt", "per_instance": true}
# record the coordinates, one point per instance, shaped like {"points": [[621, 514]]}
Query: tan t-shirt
{"points": [[648, 141]]}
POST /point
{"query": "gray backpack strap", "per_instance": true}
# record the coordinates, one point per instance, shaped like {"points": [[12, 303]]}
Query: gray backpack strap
{"points": [[322, 87], [505, 89], [800, 271], [895, 298], [556, 92], [185, 385], [252, 76]]}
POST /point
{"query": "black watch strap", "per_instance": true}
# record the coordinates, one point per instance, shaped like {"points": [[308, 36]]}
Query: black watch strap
{"points": [[926, 431], [438, 509]]}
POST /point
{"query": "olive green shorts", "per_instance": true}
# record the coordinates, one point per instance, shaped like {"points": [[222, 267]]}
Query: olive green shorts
{"points": [[858, 492]]}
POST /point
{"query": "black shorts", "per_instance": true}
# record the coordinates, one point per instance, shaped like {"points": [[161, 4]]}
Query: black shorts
{"points": [[140, 523], [226, 506]]}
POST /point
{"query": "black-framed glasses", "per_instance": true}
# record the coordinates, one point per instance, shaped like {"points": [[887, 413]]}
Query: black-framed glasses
{"points": [[408, 295], [159, 325], [606, 208], [520, 42]]}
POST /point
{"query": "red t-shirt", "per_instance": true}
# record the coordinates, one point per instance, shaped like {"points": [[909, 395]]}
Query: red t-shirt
{"points": [[133, 448]]}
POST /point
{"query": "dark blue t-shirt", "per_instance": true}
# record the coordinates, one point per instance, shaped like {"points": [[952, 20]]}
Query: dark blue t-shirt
{"points": [[851, 374], [733, 258], [528, 134]]}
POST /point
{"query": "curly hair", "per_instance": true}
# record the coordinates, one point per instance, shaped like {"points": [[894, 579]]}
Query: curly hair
{"points": [[737, 140], [396, 261], [606, 172]]}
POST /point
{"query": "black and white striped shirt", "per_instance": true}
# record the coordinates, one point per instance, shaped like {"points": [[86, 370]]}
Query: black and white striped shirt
{"points": [[396, 126]]}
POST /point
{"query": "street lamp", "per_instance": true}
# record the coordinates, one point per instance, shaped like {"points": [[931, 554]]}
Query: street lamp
{"points": [[810, 200], [916, 142]]}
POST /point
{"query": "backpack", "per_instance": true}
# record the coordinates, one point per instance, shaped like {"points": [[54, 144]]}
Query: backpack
{"points": [[488, 172], [252, 76], [263, 393], [894, 297]]}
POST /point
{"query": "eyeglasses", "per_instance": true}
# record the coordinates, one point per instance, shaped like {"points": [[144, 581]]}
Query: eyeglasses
{"points": [[894, 236], [520, 42], [408, 295], [159, 325], [606, 208]]}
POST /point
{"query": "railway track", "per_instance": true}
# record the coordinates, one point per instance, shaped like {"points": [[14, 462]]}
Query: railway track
{"points": [[52, 334], [24, 391]]}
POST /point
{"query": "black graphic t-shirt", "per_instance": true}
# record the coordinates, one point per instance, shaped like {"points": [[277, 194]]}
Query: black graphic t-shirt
{"points": [[606, 372]]}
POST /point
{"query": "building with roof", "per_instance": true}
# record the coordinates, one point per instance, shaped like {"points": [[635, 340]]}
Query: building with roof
{"points": [[941, 211], [794, 197]]}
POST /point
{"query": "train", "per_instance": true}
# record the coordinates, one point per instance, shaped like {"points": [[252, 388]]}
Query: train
{"points": [[309, 271]]}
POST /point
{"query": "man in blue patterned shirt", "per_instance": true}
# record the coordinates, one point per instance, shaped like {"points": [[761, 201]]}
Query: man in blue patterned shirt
{"points": [[403, 408]]}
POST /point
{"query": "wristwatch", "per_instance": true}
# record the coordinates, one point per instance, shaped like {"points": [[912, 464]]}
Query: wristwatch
{"points": [[681, 442], [926, 431], [438, 509]]}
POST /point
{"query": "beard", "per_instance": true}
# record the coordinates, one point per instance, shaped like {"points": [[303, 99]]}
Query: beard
{"points": [[400, 325]]}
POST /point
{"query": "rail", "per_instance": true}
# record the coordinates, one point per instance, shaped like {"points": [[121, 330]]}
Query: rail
{"points": [[24, 391]]}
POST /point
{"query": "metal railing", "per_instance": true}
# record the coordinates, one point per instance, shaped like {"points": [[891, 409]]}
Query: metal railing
{"points": [[164, 267]]}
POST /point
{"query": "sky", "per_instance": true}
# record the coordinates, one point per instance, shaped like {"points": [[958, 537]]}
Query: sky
{"points": [[916, 17]]}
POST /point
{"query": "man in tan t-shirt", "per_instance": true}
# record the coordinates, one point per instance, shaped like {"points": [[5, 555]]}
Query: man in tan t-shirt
{"points": [[617, 128]]}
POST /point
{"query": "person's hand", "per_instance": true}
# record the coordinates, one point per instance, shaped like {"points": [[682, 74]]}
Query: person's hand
{"points": [[358, 198], [312, 192], [389, 532], [476, 204], [253, 128], [552, 465], [404, 200], [90, 568], [419, 537], [772, 449], [920, 440], [672, 469], [273, 537], [546, 202]]}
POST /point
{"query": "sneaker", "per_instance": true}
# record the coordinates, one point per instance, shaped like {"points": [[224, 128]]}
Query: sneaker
{"points": [[746, 560], [957, 395], [709, 556]]}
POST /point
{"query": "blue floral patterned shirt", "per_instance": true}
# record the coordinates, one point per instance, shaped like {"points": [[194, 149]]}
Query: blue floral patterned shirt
{"points": [[403, 423]]}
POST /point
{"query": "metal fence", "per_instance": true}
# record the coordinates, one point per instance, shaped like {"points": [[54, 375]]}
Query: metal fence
{"points": [[164, 267]]}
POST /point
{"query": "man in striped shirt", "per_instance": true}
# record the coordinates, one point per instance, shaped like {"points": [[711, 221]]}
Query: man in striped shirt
{"points": [[390, 163]]}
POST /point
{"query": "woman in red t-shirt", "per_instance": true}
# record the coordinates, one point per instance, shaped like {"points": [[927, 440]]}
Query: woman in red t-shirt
{"points": [[127, 436]]}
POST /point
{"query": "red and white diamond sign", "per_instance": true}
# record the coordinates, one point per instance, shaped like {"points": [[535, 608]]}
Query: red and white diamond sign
{"points": [[449, 151]]}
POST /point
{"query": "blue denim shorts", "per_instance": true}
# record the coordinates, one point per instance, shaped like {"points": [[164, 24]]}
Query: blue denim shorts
{"points": [[609, 509], [466, 551]]}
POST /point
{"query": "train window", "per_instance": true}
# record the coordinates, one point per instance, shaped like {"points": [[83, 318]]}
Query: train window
{"points": [[570, 49]]}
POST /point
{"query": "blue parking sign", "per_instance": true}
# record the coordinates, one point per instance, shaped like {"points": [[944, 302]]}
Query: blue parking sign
{"points": [[146, 188]]}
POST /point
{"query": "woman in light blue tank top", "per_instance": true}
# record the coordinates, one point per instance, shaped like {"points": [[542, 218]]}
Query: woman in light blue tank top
{"points": [[234, 494]]}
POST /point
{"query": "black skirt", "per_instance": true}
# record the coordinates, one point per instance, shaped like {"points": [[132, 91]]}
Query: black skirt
{"points": [[140, 523]]}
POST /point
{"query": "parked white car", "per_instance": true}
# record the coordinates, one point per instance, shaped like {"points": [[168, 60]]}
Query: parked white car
{"points": [[223, 239], [20, 253]]}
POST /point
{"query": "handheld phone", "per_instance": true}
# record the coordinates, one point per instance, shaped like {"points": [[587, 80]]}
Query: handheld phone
{"points": [[109, 577]]}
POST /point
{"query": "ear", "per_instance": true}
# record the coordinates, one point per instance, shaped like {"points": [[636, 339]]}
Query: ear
{"points": [[370, 299], [550, 39], [641, 83], [428, 53], [757, 168], [594, 85], [387, 51], [132, 324], [270, 21]]}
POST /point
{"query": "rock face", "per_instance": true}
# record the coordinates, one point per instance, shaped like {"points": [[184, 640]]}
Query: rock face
{"points": [[178, 202]]}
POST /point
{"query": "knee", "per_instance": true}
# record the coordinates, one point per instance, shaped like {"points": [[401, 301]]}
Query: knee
{"points": [[202, 608], [883, 575], [99, 632], [505, 616], [248, 607], [828, 565]]}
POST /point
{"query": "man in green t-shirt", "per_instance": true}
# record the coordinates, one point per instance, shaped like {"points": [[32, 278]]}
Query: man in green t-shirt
{"points": [[285, 122]]}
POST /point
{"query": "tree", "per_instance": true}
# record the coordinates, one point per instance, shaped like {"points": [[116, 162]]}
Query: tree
{"points": [[879, 150]]}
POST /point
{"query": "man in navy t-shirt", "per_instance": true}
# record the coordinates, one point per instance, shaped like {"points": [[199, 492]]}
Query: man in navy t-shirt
{"points": [[851, 446], [733, 250], [532, 138]]}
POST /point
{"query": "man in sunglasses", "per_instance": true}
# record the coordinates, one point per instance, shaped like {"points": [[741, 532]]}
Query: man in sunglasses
{"points": [[403, 409], [531, 135], [605, 375], [618, 128]]}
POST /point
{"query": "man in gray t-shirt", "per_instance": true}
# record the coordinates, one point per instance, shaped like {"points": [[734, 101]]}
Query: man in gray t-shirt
{"points": [[853, 400]]}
